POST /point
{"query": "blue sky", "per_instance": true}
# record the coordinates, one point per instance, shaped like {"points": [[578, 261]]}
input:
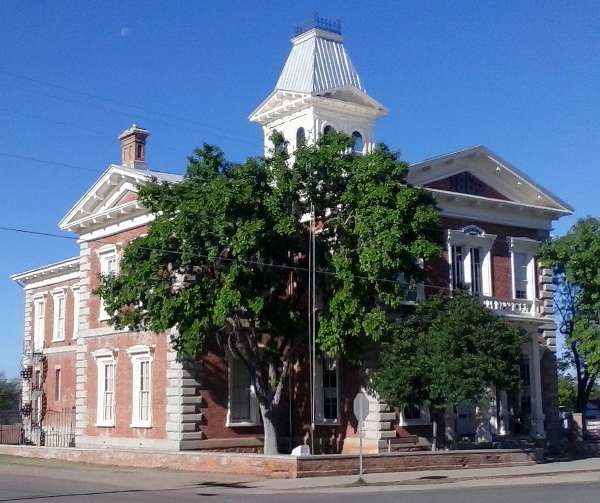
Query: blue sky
{"points": [[522, 78]]}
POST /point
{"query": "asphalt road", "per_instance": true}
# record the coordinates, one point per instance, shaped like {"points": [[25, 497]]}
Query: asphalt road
{"points": [[39, 481]]}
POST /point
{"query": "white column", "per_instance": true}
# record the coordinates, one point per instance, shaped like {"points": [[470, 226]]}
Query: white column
{"points": [[535, 378]]}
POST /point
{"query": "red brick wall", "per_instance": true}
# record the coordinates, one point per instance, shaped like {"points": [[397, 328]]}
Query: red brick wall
{"points": [[66, 363], [49, 312], [437, 271], [123, 385], [120, 240]]}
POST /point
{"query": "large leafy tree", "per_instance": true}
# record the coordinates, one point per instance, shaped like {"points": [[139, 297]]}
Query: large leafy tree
{"points": [[575, 259], [450, 350], [9, 393], [226, 257]]}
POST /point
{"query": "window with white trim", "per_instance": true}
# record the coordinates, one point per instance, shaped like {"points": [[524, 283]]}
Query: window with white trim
{"points": [[243, 404], [76, 303], [327, 391], [58, 331], [412, 290], [108, 266], [414, 414], [39, 307], [523, 251], [141, 360], [469, 251], [105, 409]]}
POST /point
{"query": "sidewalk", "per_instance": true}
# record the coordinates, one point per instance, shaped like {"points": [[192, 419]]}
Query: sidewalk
{"points": [[561, 470]]}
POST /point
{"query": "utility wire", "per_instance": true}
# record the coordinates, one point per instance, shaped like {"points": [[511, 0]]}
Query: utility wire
{"points": [[221, 259], [167, 119]]}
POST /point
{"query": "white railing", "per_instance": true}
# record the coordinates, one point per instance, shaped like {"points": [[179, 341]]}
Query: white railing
{"points": [[519, 307]]}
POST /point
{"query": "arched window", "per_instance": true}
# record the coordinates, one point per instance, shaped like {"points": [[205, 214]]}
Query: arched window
{"points": [[328, 130], [300, 137], [358, 142]]}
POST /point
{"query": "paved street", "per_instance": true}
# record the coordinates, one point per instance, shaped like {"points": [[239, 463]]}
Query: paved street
{"points": [[54, 481]]}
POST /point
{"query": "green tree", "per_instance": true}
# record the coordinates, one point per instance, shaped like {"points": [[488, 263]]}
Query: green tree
{"points": [[450, 350], [9, 393], [575, 259], [225, 257]]}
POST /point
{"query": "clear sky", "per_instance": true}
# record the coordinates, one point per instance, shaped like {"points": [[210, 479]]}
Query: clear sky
{"points": [[522, 78]]}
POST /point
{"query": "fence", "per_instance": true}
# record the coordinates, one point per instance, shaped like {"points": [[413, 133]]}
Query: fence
{"points": [[11, 427], [56, 428]]}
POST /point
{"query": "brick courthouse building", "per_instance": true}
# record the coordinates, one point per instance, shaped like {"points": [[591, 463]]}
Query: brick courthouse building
{"points": [[129, 389]]}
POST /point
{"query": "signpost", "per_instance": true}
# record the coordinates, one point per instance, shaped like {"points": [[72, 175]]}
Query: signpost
{"points": [[361, 411]]}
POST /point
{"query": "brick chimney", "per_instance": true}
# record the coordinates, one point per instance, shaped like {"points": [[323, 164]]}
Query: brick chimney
{"points": [[133, 147]]}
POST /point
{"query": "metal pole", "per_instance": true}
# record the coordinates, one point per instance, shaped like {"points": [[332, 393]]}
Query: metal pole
{"points": [[310, 337], [313, 313], [360, 445]]}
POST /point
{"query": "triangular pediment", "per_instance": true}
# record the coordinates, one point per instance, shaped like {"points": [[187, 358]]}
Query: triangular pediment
{"points": [[466, 182], [479, 172], [114, 192]]}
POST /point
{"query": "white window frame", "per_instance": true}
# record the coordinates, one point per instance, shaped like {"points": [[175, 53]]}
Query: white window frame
{"points": [[139, 355], [485, 243], [59, 297], [425, 418], [106, 254], [419, 287], [105, 357], [529, 248], [39, 322], [254, 419], [76, 306], [319, 393]]}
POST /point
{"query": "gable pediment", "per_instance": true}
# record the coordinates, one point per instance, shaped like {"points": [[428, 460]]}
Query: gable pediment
{"points": [[466, 183], [487, 176]]}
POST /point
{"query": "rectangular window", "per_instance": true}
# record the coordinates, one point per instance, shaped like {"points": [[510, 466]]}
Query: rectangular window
{"points": [[75, 312], [57, 385], [108, 266], [329, 390], [142, 404], [476, 276], [241, 392], [412, 412], [38, 328], [458, 272], [410, 291], [59, 318], [520, 263], [106, 393]]}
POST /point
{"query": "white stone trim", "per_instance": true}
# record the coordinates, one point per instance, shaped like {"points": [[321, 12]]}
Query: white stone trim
{"points": [[59, 294], [60, 350], [485, 242]]}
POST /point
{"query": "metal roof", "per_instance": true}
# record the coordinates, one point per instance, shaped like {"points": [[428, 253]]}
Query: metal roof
{"points": [[318, 62]]}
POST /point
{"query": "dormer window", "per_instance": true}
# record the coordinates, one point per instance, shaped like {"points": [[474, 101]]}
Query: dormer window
{"points": [[300, 137], [358, 143]]}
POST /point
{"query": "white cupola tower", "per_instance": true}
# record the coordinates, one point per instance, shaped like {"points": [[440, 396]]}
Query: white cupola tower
{"points": [[318, 89]]}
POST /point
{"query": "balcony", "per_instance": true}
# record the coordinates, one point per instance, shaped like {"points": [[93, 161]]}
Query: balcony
{"points": [[515, 307]]}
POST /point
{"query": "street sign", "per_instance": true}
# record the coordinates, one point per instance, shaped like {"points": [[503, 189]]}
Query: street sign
{"points": [[361, 411], [361, 407]]}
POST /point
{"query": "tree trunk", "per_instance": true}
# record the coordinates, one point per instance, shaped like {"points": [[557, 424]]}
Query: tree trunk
{"points": [[270, 431], [439, 430]]}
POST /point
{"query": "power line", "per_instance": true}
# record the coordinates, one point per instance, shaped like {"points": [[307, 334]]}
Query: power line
{"points": [[172, 120], [220, 259]]}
